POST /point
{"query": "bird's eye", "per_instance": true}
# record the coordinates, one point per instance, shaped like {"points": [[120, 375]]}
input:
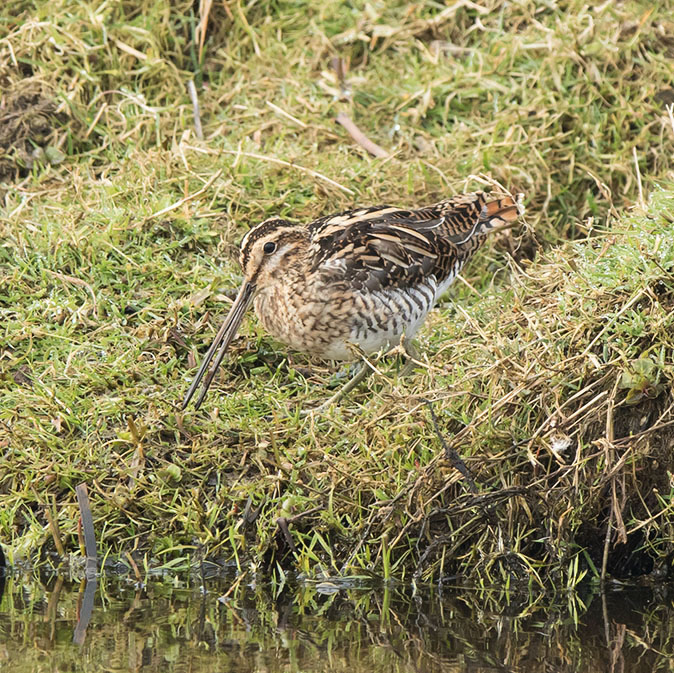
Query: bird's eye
{"points": [[269, 247]]}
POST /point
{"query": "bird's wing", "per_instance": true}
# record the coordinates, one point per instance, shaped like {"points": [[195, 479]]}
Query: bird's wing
{"points": [[383, 246]]}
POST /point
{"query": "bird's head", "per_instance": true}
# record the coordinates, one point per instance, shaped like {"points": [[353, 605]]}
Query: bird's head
{"points": [[267, 251]]}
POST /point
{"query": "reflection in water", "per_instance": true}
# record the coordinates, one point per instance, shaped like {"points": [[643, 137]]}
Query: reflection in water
{"points": [[85, 610], [227, 625]]}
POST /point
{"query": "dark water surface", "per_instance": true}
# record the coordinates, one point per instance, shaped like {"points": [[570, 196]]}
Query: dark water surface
{"points": [[222, 625]]}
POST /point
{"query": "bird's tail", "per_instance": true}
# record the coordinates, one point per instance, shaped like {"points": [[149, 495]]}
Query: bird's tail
{"points": [[498, 213], [495, 214]]}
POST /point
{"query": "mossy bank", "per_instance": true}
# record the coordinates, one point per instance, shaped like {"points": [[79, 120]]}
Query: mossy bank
{"points": [[549, 369]]}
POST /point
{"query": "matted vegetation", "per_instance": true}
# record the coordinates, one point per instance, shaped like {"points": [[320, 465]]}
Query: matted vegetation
{"points": [[551, 378]]}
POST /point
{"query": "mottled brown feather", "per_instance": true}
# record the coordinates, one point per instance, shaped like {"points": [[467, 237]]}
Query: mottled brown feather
{"points": [[399, 247]]}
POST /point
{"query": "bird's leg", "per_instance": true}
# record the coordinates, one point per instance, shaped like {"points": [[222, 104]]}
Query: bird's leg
{"points": [[363, 371], [411, 356], [359, 376]]}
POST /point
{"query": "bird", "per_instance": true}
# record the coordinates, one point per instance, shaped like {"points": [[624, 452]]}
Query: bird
{"points": [[356, 282]]}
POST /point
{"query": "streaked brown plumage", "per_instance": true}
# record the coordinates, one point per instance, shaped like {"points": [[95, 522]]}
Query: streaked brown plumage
{"points": [[364, 277]]}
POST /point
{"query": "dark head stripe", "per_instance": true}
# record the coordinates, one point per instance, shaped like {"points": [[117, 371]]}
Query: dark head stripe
{"points": [[260, 231]]}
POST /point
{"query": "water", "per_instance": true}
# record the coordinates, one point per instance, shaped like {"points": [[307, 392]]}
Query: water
{"points": [[224, 625]]}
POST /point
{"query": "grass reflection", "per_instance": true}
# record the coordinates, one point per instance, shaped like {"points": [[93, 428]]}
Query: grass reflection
{"points": [[184, 625]]}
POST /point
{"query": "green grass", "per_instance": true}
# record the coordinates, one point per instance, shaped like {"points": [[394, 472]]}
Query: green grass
{"points": [[114, 276]]}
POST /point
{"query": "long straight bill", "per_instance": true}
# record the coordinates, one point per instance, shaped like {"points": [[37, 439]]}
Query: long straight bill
{"points": [[222, 340]]}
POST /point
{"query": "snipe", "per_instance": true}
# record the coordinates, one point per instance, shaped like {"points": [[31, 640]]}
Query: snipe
{"points": [[363, 278]]}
